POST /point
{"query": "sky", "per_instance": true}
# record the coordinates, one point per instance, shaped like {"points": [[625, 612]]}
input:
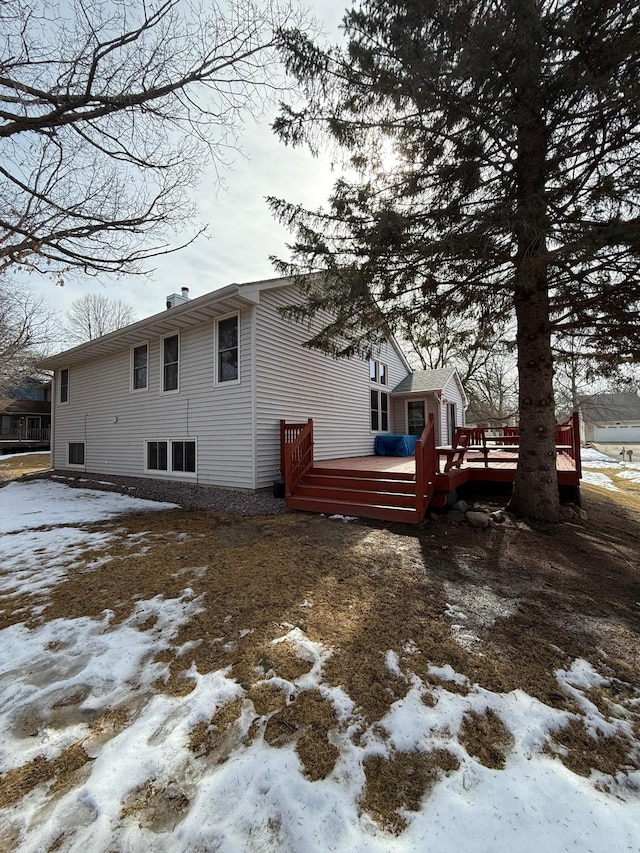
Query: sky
{"points": [[64, 680], [242, 233]]}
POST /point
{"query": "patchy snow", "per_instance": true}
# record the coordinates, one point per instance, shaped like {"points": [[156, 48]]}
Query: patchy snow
{"points": [[590, 454], [61, 678], [634, 476], [344, 518], [595, 478], [25, 453], [41, 503]]}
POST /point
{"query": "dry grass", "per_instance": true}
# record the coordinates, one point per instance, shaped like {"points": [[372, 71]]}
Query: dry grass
{"points": [[401, 782], [581, 751], [17, 783], [362, 591], [486, 738], [25, 463]]}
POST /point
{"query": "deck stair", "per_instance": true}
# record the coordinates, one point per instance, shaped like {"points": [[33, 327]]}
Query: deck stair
{"points": [[370, 494]]}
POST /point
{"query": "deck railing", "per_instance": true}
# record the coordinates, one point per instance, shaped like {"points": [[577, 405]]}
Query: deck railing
{"points": [[426, 467], [24, 434], [296, 453], [568, 434]]}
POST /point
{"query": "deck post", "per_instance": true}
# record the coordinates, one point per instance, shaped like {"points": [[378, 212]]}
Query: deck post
{"points": [[577, 456]]}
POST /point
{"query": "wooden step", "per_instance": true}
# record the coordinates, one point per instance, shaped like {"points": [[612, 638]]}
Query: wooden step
{"points": [[360, 472], [363, 510], [309, 489], [407, 487]]}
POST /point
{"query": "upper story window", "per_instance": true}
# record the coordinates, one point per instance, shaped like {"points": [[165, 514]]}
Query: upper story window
{"points": [[378, 372], [64, 385], [139, 367], [378, 375], [227, 340], [170, 362]]}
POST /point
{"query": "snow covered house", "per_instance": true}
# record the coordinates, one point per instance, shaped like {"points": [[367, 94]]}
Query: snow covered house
{"points": [[197, 393]]}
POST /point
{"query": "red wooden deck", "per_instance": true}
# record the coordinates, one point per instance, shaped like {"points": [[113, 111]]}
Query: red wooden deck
{"points": [[501, 468], [402, 488]]}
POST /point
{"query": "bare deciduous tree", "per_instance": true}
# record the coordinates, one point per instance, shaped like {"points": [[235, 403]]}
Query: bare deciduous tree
{"points": [[27, 328], [108, 112], [93, 315]]}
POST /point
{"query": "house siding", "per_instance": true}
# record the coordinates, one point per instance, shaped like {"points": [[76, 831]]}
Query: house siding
{"points": [[294, 383], [114, 422], [451, 393]]}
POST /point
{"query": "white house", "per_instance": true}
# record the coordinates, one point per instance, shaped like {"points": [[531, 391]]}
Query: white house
{"points": [[196, 393], [610, 418]]}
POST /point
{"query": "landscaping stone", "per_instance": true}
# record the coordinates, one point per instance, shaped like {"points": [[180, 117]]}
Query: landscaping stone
{"points": [[498, 516], [461, 506], [455, 515], [480, 520]]}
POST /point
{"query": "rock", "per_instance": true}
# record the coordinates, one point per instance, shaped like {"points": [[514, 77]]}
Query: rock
{"points": [[478, 519], [455, 515], [568, 512], [434, 516], [498, 516], [461, 506]]}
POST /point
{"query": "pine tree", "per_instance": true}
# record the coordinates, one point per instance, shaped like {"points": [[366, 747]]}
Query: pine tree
{"points": [[513, 184]]}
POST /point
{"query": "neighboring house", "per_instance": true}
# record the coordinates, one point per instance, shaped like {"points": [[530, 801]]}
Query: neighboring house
{"points": [[610, 418], [196, 393], [25, 416]]}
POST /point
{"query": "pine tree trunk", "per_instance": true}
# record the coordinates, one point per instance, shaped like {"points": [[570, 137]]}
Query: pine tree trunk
{"points": [[535, 492]]}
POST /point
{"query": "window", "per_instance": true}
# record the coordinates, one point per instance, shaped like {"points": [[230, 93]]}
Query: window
{"points": [[76, 453], [378, 372], [139, 365], [157, 455], [64, 385], [227, 350], [172, 456], [170, 362], [183, 456], [378, 375]]}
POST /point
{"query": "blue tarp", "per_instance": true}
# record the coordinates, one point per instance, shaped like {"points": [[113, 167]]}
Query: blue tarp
{"points": [[395, 445]]}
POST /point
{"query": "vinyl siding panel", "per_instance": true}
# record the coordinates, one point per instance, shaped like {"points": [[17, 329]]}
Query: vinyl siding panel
{"points": [[400, 412], [451, 394], [294, 383], [114, 422]]}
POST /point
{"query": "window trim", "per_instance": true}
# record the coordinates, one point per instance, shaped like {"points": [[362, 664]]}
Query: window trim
{"points": [[64, 402], [77, 465], [379, 368], [216, 351], [169, 472], [132, 388], [175, 390]]}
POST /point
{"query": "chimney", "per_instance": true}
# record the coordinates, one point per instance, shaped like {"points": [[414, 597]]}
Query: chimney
{"points": [[176, 299]]}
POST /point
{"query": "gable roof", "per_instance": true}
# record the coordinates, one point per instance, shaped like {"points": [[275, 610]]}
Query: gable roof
{"points": [[24, 407], [225, 300], [619, 407], [424, 380]]}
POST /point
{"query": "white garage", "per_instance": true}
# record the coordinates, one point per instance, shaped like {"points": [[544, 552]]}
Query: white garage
{"points": [[617, 434], [610, 418]]}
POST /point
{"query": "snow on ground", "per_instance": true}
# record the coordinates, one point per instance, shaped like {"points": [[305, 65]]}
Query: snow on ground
{"points": [[259, 799], [40, 503], [597, 462], [597, 478], [25, 453]]}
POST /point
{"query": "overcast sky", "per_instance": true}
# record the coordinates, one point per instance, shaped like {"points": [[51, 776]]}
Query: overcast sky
{"points": [[242, 233]]}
